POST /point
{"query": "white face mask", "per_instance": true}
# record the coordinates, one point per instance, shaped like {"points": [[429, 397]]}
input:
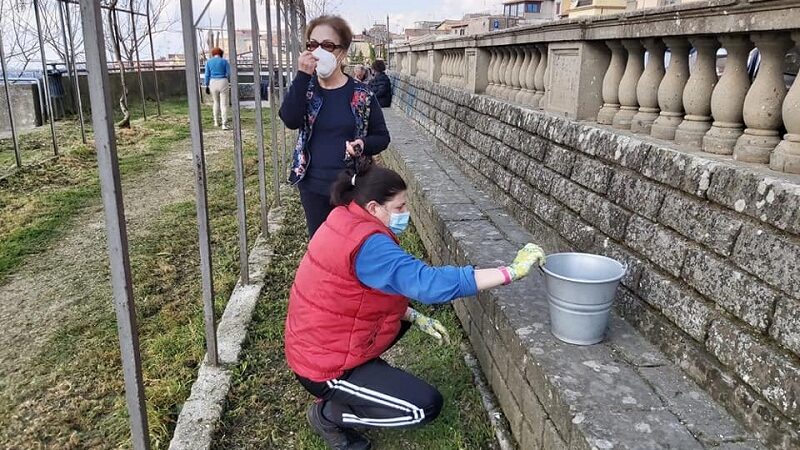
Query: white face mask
{"points": [[326, 64]]}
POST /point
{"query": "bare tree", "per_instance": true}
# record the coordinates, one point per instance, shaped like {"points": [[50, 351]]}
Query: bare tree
{"points": [[22, 46], [125, 25], [316, 8], [113, 20]]}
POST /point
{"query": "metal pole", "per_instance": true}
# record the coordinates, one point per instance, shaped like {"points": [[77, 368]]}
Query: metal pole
{"points": [[66, 43], [200, 17], [198, 155], [138, 62], [295, 39], [8, 104], [281, 83], [388, 41], [237, 143], [273, 109], [153, 57], [288, 41], [111, 191], [46, 77], [75, 72], [262, 176]]}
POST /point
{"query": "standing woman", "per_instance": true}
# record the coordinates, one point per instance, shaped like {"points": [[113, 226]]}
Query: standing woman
{"points": [[338, 117], [380, 84], [218, 71], [348, 305]]}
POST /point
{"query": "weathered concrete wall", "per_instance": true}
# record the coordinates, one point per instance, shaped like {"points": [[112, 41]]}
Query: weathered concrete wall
{"points": [[713, 245], [25, 103], [171, 85]]}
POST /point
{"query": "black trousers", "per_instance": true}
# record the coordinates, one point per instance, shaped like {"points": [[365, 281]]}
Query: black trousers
{"points": [[316, 207], [378, 395]]}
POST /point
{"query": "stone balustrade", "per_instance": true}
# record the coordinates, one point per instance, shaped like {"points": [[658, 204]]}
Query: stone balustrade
{"points": [[454, 69], [653, 72]]}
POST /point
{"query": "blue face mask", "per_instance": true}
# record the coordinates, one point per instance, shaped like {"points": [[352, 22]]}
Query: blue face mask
{"points": [[399, 222]]}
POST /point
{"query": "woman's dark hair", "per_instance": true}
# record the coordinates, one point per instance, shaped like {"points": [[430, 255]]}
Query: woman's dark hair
{"points": [[372, 182], [379, 66], [339, 25], [216, 51]]}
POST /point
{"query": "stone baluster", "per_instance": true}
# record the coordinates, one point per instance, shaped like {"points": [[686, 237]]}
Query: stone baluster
{"points": [[629, 104], [727, 101], [786, 157], [491, 88], [697, 93], [530, 75], [458, 69], [647, 88], [611, 82], [453, 68], [516, 71], [670, 92], [763, 103], [523, 75], [443, 72], [453, 58], [505, 72], [539, 76], [546, 98]]}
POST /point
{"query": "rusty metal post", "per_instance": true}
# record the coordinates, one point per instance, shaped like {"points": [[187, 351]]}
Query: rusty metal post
{"points": [[46, 78], [117, 235], [201, 191], [237, 143]]}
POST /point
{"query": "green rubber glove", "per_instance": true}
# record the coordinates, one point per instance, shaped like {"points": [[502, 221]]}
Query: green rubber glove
{"points": [[428, 325], [526, 258]]}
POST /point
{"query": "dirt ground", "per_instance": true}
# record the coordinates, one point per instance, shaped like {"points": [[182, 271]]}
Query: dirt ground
{"points": [[48, 290]]}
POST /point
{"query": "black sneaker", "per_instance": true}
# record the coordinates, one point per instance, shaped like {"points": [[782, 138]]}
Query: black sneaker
{"points": [[336, 438]]}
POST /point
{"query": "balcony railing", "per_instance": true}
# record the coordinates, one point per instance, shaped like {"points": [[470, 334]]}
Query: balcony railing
{"points": [[652, 72]]}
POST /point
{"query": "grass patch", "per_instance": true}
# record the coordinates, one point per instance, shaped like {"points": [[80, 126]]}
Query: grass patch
{"points": [[266, 406], [38, 203], [72, 395]]}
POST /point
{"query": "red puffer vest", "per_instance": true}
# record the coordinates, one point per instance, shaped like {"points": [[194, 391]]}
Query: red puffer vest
{"points": [[335, 323]]}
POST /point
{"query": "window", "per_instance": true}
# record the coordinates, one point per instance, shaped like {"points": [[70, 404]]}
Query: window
{"points": [[533, 8]]}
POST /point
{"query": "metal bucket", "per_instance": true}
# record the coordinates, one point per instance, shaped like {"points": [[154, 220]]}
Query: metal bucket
{"points": [[580, 292]]}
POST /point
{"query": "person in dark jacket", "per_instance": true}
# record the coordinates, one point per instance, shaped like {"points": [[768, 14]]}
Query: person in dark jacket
{"points": [[349, 304], [338, 117], [381, 85]]}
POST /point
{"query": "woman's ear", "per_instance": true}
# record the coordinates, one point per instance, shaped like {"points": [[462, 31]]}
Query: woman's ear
{"points": [[372, 207]]}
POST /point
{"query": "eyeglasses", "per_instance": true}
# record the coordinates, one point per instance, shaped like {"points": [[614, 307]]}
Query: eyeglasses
{"points": [[327, 46]]}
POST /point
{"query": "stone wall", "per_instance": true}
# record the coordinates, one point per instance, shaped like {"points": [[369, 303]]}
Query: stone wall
{"points": [[657, 72], [713, 245], [171, 85]]}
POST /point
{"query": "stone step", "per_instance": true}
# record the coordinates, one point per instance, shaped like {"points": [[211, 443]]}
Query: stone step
{"points": [[620, 394]]}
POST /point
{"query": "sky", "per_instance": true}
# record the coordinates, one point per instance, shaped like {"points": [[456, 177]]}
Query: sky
{"points": [[359, 13]]}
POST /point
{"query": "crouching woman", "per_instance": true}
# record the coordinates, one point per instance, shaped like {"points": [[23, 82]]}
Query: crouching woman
{"points": [[349, 304]]}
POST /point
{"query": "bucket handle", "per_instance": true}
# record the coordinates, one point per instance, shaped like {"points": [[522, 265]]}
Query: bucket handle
{"points": [[625, 268]]}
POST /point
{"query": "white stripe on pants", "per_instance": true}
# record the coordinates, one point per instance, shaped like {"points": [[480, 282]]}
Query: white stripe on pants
{"points": [[221, 95]]}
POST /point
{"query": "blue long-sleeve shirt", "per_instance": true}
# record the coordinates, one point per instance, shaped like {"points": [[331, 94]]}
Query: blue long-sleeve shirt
{"points": [[217, 67], [381, 264]]}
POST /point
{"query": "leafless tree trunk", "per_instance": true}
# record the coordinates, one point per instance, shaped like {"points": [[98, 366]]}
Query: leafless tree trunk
{"points": [[316, 8], [116, 41]]}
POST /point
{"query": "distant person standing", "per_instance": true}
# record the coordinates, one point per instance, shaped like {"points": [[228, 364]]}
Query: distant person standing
{"points": [[381, 85], [218, 71]]}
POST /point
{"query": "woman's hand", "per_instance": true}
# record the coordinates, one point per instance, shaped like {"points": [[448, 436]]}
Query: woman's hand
{"points": [[428, 325], [526, 257], [307, 63], [355, 148]]}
